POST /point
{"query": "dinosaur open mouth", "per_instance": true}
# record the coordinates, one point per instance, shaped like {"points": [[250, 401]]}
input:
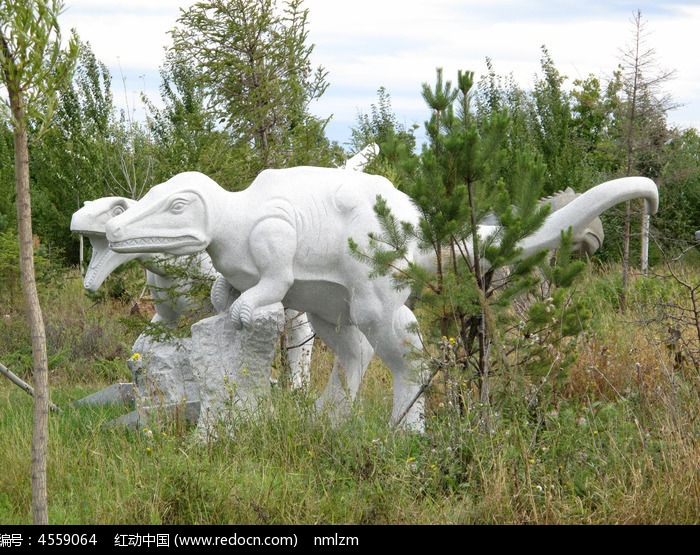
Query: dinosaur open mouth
{"points": [[103, 262], [154, 244], [94, 275]]}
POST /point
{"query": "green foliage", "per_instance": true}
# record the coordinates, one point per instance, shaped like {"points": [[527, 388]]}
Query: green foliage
{"points": [[604, 291], [78, 332], [254, 71], [679, 194], [9, 266], [554, 454], [8, 212], [11, 292], [381, 127], [74, 161], [189, 296], [185, 131], [38, 72], [576, 131], [554, 131], [469, 176]]}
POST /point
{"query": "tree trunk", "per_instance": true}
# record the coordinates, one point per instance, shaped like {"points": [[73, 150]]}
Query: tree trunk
{"points": [[644, 263], [82, 245], [40, 371], [626, 257]]}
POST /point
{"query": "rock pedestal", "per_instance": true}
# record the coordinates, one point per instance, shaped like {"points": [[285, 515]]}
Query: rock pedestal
{"points": [[232, 368], [162, 373], [215, 377]]}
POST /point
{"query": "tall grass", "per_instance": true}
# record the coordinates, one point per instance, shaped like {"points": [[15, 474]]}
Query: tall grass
{"points": [[614, 440]]}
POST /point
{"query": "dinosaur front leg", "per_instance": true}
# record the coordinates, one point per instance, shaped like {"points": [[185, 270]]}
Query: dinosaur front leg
{"points": [[222, 294], [272, 245]]}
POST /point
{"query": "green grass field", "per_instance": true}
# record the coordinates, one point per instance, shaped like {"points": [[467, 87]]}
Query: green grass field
{"points": [[615, 440]]}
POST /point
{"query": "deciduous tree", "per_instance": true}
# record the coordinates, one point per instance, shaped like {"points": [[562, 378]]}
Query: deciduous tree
{"points": [[644, 132], [253, 62], [34, 67]]}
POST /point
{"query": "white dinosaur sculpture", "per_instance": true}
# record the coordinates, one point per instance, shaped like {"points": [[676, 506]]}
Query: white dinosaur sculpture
{"points": [[169, 292], [169, 289], [590, 239], [285, 239], [359, 161]]}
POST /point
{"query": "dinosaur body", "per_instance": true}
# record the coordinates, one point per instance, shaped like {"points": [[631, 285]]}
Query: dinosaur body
{"points": [[285, 239]]}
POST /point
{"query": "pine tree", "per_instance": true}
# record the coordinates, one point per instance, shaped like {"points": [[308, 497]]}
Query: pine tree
{"points": [[468, 177]]}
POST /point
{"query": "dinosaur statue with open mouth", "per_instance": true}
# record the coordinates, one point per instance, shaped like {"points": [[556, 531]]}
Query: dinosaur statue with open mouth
{"points": [[284, 239], [164, 274], [170, 278]]}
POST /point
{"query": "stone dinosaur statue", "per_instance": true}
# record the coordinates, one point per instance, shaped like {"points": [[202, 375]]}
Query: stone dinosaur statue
{"points": [[590, 239], [168, 288], [359, 161], [284, 239], [169, 291], [587, 241]]}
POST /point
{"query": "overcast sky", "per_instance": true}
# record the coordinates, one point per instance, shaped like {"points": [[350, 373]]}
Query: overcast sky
{"points": [[398, 44]]}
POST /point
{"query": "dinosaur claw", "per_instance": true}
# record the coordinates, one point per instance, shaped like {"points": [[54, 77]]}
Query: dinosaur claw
{"points": [[234, 313], [241, 314]]}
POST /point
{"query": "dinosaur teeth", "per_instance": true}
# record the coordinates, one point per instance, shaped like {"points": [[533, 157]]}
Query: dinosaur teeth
{"points": [[150, 241], [153, 242]]}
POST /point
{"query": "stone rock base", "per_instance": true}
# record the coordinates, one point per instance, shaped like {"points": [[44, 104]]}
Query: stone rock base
{"points": [[211, 379], [232, 368]]}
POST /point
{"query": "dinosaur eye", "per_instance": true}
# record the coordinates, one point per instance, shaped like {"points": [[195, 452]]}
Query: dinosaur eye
{"points": [[118, 210], [178, 206]]}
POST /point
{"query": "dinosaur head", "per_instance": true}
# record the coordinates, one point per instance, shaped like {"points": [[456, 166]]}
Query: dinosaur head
{"points": [[172, 218], [90, 221]]}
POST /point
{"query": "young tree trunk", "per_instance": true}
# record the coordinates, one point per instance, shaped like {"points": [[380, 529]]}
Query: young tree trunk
{"points": [[40, 371], [644, 263], [33, 68], [626, 257]]}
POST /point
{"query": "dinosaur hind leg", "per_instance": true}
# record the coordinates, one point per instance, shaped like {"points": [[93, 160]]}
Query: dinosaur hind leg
{"points": [[395, 342], [352, 356]]}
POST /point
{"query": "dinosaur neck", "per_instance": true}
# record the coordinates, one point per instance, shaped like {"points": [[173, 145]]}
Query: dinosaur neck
{"points": [[221, 207], [589, 205], [224, 210]]}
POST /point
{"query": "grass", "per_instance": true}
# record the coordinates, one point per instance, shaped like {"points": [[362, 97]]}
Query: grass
{"points": [[616, 440]]}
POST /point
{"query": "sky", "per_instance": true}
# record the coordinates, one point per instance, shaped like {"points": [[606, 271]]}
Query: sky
{"points": [[399, 44]]}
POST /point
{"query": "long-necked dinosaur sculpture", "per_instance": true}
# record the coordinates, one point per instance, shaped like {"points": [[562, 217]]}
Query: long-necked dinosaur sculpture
{"points": [[285, 239], [590, 239]]}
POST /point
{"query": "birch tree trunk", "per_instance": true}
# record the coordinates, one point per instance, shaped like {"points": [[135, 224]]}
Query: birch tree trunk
{"points": [[40, 365]]}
